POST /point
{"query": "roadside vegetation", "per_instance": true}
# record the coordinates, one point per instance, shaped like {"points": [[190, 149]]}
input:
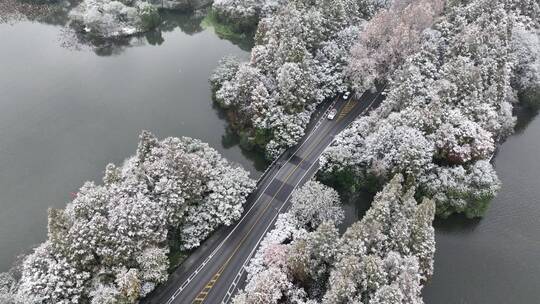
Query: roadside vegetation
{"points": [[112, 243], [453, 73], [383, 258], [447, 105], [298, 61]]}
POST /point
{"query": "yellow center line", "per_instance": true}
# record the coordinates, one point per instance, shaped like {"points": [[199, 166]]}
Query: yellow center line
{"points": [[346, 109], [203, 293]]}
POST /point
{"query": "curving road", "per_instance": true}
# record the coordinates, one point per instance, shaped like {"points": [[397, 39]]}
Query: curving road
{"points": [[214, 271]]}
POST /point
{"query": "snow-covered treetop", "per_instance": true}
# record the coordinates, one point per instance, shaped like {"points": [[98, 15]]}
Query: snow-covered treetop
{"points": [[385, 256], [111, 243], [298, 61], [447, 105], [110, 18]]}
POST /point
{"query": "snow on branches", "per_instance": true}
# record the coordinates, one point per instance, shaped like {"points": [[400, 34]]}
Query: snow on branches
{"points": [[446, 107], [526, 44], [108, 19], [390, 36], [8, 289], [111, 243], [384, 258], [315, 203], [298, 61]]}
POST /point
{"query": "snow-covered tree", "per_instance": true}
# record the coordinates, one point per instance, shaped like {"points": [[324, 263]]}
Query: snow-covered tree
{"points": [[226, 71], [311, 256], [460, 189], [289, 253], [526, 45], [49, 277], [459, 140], [110, 18], [227, 190], [387, 255], [154, 264], [422, 237], [397, 149], [110, 244], [269, 287], [295, 86], [298, 61], [105, 294], [129, 284], [8, 289], [315, 203], [387, 40], [446, 106]]}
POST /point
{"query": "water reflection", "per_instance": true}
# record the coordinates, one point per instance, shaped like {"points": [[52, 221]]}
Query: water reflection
{"points": [[525, 116], [456, 224], [189, 23], [74, 38], [231, 139], [355, 207], [66, 114]]}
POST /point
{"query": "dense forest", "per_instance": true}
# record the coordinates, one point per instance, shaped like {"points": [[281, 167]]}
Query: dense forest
{"points": [[452, 72], [384, 258], [113, 242]]}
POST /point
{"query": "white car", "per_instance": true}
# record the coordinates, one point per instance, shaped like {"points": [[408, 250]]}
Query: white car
{"points": [[332, 114], [346, 95]]}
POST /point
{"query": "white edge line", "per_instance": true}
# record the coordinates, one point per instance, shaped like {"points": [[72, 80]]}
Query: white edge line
{"points": [[240, 272], [198, 269]]}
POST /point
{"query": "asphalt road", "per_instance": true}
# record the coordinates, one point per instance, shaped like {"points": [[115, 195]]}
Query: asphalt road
{"points": [[214, 272]]}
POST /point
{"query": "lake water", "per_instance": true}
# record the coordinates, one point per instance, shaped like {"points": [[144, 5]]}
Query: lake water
{"points": [[65, 114], [496, 259]]}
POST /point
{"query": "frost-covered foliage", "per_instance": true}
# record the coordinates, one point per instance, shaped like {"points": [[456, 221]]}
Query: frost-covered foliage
{"points": [[111, 243], [384, 258], [49, 277], [8, 289], [390, 36], [314, 204], [270, 273], [446, 107], [110, 18], [245, 14], [298, 61], [526, 44]]}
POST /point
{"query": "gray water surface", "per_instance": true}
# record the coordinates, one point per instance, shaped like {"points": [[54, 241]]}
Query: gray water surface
{"points": [[496, 259], [65, 114]]}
